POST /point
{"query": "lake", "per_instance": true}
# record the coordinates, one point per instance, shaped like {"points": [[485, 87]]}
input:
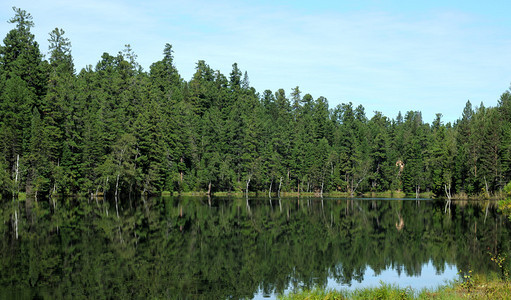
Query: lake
{"points": [[218, 248]]}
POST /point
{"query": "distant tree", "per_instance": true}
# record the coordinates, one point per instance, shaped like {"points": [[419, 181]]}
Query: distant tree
{"points": [[60, 52]]}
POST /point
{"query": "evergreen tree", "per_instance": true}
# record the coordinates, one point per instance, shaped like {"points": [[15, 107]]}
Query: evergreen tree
{"points": [[22, 77], [59, 110], [463, 136]]}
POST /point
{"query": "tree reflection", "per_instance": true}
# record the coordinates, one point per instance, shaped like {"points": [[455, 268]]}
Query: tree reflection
{"points": [[232, 248]]}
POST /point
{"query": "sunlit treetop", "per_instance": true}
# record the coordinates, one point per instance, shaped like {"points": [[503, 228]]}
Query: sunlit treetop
{"points": [[22, 19]]}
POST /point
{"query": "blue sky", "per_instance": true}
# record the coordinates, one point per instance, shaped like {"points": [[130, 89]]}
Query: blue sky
{"points": [[389, 56]]}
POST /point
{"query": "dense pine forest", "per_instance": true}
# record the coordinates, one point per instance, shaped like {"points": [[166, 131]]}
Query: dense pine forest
{"points": [[115, 129]]}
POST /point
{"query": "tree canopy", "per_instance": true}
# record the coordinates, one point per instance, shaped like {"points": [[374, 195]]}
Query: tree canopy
{"points": [[116, 129]]}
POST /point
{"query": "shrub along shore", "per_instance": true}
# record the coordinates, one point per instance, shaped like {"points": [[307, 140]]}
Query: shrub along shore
{"points": [[477, 287]]}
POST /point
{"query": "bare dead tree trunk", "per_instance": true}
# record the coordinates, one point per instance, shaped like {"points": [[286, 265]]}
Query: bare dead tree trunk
{"points": [[117, 185], [248, 183], [53, 201], [16, 222], [15, 191], [448, 193], [17, 168], [269, 190], [352, 187], [280, 185], [209, 188], [486, 184], [116, 207], [355, 187], [116, 189], [417, 190]]}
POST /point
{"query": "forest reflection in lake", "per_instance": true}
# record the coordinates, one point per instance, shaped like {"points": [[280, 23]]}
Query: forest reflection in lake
{"points": [[217, 248]]}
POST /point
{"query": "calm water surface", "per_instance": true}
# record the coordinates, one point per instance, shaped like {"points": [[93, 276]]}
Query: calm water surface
{"points": [[191, 247]]}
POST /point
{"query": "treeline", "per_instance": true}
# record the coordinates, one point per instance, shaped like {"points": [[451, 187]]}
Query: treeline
{"points": [[116, 129]]}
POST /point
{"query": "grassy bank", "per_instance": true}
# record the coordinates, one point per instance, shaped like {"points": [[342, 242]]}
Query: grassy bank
{"points": [[480, 196], [474, 288], [386, 194]]}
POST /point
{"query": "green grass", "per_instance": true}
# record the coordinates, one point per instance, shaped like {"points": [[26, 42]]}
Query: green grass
{"points": [[240, 193], [479, 288], [384, 291], [230, 194], [387, 194]]}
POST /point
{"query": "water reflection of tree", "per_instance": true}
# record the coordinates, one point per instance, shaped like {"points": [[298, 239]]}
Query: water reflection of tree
{"points": [[228, 248]]}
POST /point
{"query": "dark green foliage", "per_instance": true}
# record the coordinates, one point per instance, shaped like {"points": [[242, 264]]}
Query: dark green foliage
{"points": [[60, 132], [181, 247]]}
